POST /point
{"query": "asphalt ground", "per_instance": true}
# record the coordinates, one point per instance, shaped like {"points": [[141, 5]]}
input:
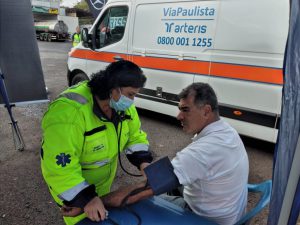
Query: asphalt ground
{"points": [[24, 197]]}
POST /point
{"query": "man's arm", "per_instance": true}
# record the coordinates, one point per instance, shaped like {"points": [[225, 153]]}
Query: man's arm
{"points": [[161, 178], [127, 195], [123, 196]]}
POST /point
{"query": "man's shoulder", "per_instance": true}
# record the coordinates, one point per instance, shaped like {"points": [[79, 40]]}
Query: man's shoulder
{"points": [[215, 135], [199, 148], [215, 129]]}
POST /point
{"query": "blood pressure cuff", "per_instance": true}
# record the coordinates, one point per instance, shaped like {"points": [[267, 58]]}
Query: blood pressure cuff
{"points": [[161, 177], [137, 158]]}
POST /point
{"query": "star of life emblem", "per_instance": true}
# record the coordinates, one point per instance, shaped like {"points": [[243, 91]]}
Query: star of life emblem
{"points": [[63, 159]]}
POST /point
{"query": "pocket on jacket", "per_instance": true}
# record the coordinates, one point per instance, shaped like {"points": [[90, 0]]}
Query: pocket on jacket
{"points": [[95, 147]]}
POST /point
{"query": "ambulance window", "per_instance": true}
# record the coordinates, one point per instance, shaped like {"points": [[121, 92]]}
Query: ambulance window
{"points": [[111, 26]]}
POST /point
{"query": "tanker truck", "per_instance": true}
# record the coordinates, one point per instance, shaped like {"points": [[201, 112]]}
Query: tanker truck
{"points": [[51, 30]]}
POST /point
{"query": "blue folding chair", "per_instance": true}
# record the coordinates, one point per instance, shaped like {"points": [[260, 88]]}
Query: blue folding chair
{"points": [[265, 188]]}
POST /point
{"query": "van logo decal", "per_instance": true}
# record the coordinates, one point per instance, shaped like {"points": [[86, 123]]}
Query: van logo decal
{"points": [[98, 4]]}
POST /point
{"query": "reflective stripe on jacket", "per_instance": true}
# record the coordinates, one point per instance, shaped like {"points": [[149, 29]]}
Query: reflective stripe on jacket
{"points": [[79, 148]]}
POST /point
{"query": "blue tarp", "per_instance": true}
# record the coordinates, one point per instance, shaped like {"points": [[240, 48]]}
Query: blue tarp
{"points": [[290, 123], [295, 207], [150, 212]]}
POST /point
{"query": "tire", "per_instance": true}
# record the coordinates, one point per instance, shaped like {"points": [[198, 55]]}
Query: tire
{"points": [[49, 37], [41, 37], [78, 78]]}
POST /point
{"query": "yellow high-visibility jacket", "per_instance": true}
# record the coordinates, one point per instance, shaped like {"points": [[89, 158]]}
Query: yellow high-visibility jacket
{"points": [[80, 148], [76, 39]]}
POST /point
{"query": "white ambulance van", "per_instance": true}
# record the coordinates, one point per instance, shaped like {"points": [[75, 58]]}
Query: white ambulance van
{"points": [[237, 46]]}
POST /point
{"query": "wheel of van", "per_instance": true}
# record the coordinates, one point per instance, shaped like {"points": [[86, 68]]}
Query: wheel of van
{"points": [[78, 78], [49, 37]]}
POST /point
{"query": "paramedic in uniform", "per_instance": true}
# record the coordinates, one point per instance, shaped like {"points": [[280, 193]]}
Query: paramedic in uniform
{"points": [[83, 130], [76, 38], [214, 168]]}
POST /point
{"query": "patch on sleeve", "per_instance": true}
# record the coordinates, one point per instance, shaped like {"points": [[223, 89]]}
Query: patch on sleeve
{"points": [[63, 159]]}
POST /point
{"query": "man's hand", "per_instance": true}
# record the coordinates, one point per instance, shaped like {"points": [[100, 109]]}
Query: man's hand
{"points": [[95, 210]]}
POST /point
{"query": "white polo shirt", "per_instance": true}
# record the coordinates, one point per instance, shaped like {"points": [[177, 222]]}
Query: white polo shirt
{"points": [[214, 170]]}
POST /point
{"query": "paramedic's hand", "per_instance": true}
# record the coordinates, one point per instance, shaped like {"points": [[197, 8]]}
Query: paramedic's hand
{"points": [[95, 210], [70, 211], [142, 167]]}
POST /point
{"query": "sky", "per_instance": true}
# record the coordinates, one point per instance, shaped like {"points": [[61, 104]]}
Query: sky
{"points": [[69, 3]]}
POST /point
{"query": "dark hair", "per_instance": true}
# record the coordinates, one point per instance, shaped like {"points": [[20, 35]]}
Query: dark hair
{"points": [[117, 74], [203, 94]]}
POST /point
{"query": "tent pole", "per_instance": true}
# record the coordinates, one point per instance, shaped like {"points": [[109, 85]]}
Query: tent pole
{"points": [[17, 136]]}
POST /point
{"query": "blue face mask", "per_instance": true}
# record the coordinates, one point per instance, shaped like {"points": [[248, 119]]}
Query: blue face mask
{"points": [[122, 104]]}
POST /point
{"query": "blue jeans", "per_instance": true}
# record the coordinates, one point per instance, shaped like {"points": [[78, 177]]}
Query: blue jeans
{"points": [[177, 200]]}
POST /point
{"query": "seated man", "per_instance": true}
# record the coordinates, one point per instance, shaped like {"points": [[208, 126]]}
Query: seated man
{"points": [[214, 168]]}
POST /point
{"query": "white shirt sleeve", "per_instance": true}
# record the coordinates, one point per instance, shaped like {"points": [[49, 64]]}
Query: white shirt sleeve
{"points": [[190, 164]]}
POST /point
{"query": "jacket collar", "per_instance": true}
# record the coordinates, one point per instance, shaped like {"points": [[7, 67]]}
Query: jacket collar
{"points": [[100, 114]]}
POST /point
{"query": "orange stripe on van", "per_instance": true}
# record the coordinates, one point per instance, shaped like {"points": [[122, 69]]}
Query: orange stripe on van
{"points": [[78, 53], [184, 66], [97, 56], [252, 73], [233, 71]]}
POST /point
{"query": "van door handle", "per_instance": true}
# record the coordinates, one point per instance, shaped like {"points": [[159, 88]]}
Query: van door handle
{"points": [[118, 58]]}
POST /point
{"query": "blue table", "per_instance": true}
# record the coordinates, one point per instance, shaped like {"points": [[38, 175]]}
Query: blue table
{"points": [[151, 211]]}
